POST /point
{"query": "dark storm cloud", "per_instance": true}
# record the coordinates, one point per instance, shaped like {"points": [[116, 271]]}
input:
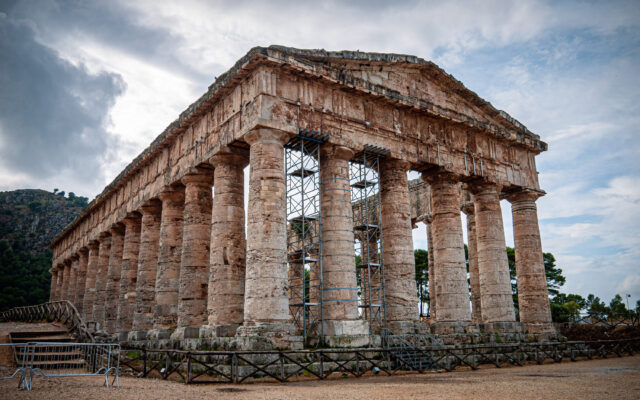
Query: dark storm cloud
{"points": [[52, 113], [111, 23]]}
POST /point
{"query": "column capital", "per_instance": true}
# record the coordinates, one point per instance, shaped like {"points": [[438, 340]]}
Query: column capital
{"points": [[93, 245], [468, 208], [132, 219], [117, 229], [482, 186], [439, 175], [151, 207], [524, 194], [199, 177], [268, 135], [336, 151], [396, 163], [173, 194], [104, 237], [83, 250], [231, 156], [74, 257]]}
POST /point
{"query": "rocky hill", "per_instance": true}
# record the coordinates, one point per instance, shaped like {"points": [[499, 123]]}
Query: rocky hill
{"points": [[29, 220]]}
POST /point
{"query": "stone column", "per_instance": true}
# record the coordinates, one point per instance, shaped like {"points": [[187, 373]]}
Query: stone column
{"points": [[433, 298], [75, 261], [113, 278], [128, 274], [90, 285], [66, 283], [493, 268], [474, 278], [533, 296], [227, 261], [340, 287], [399, 261], [165, 310], [194, 264], [54, 284], [58, 290], [147, 268], [101, 278], [450, 268], [81, 279], [266, 303]]}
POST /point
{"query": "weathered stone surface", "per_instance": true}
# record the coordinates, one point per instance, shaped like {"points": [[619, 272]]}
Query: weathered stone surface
{"points": [[165, 311], [112, 290], [399, 262], [101, 278], [266, 298], [81, 279], [90, 285], [474, 278], [196, 236], [340, 288], [225, 306], [533, 297], [147, 266], [54, 285], [433, 298], [129, 272], [448, 249], [493, 268]]}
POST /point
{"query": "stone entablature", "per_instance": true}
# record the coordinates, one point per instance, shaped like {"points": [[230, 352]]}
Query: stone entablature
{"points": [[425, 119]]}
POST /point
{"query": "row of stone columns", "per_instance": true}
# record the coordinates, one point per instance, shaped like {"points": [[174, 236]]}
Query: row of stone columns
{"points": [[489, 279], [181, 262]]}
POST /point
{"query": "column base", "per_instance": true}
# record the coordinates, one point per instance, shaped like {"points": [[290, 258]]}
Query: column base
{"points": [[136, 336], [186, 332], [501, 327], [454, 327], [159, 334], [267, 336], [122, 336], [342, 328], [216, 331], [536, 328], [408, 327]]}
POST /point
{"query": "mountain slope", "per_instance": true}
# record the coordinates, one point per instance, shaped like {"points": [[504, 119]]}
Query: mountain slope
{"points": [[29, 220]]}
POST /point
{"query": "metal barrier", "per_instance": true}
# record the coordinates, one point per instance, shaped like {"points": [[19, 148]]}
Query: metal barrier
{"points": [[59, 360], [283, 366], [12, 362]]}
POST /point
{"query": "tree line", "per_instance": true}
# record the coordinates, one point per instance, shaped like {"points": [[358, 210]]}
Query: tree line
{"points": [[564, 307]]}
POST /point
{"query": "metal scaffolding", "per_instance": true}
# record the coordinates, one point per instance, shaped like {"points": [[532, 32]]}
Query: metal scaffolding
{"points": [[367, 219], [304, 233]]}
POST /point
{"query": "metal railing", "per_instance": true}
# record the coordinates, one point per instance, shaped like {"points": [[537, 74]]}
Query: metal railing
{"points": [[61, 311], [283, 366], [60, 360], [11, 365]]}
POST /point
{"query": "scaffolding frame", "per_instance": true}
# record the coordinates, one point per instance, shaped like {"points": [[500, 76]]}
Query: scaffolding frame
{"points": [[304, 234], [367, 221]]}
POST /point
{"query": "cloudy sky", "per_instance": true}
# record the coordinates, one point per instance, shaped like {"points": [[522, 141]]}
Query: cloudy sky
{"points": [[86, 86]]}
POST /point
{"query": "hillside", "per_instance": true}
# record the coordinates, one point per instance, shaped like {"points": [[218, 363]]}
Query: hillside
{"points": [[29, 220]]}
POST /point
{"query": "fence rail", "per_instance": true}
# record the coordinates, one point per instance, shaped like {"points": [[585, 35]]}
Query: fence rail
{"points": [[236, 367], [59, 360], [61, 311]]}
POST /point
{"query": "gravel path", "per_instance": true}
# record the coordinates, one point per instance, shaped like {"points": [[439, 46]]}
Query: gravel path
{"points": [[613, 378]]}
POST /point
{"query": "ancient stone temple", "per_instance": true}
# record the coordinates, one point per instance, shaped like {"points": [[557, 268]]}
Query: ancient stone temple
{"points": [[323, 254]]}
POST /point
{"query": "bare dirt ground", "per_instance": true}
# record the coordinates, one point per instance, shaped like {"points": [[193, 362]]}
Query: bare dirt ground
{"points": [[613, 378]]}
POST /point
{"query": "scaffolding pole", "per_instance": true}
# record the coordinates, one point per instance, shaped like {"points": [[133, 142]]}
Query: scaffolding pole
{"points": [[369, 249], [304, 234]]}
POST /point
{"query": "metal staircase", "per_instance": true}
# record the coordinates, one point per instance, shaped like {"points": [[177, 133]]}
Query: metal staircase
{"points": [[408, 349]]}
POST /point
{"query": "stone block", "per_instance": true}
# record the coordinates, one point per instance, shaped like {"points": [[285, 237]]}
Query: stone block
{"points": [[340, 328], [159, 334], [186, 332]]}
